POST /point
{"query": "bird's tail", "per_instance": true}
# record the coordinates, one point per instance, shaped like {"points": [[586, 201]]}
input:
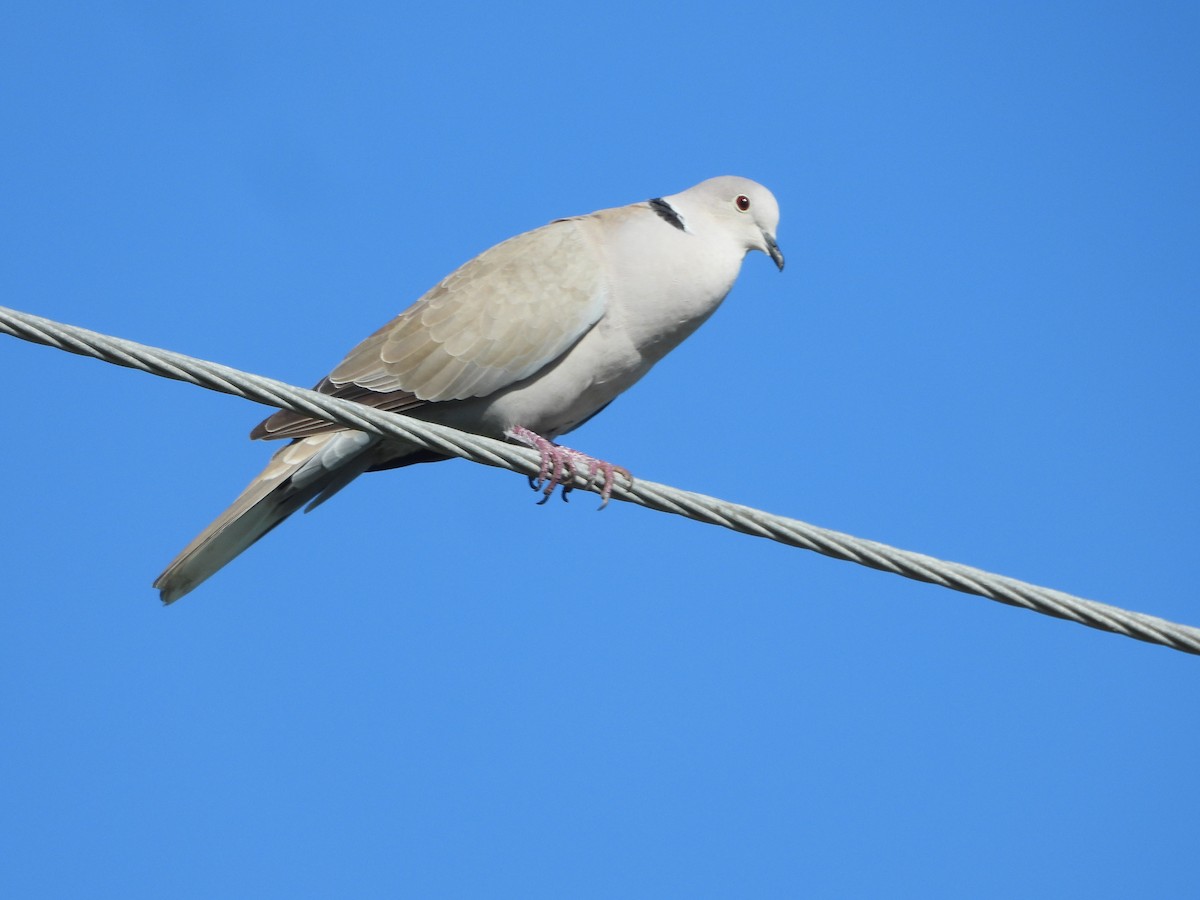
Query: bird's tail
{"points": [[307, 471]]}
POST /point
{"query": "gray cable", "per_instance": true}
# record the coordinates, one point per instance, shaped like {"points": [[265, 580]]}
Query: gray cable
{"points": [[646, 493]]}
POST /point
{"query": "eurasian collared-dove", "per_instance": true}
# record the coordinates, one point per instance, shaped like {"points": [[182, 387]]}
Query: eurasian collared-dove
{"points": [[528, 340]]}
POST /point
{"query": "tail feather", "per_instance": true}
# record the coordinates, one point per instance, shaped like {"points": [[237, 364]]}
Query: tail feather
{"points": [[307, 471]]}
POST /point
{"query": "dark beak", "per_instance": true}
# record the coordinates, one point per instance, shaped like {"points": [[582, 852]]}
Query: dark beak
{"points": [[773, 250]]}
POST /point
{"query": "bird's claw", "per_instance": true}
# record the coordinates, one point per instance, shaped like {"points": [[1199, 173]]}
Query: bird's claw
{"points": [[561, 465]]}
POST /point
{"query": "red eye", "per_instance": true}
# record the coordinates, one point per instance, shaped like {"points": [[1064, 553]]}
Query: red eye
{"points": [[743, 202]]}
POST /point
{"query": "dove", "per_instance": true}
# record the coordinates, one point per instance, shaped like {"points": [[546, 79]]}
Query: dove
{"points": [[527, 341]]}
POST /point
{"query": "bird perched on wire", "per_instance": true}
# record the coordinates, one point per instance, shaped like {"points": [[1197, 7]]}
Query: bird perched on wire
{"points": [[528, 340]]}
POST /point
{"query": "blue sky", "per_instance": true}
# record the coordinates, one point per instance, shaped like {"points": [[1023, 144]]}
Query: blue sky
{"points": [[983, 348]]}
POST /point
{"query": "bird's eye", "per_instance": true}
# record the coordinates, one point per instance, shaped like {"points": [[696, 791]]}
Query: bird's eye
{"points": [[742, 202]]}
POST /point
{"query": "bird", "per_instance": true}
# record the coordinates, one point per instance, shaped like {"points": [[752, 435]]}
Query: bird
{"points": [[526, 341]]}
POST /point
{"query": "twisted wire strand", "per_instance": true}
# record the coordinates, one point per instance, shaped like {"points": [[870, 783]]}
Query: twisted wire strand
{"points": [[660, 497]]}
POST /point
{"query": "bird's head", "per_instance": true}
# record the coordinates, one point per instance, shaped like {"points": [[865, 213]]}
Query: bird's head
{"points": [[743, 208]]}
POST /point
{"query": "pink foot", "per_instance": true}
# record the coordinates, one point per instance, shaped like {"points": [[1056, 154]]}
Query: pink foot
{"points": [[560, 465]]}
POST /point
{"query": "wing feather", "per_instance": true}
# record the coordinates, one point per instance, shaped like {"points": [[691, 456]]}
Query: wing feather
{"points": [[511, 310], [497, 319]]}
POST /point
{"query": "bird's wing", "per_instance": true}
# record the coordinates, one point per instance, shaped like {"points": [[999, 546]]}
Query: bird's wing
{"points": [[499, 318]]}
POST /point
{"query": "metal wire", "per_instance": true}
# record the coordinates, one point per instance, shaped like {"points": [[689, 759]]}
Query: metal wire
{"points": [[645, 493]]}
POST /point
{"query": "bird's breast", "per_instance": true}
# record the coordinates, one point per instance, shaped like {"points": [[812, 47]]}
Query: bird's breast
{"points": [[659, 288]]}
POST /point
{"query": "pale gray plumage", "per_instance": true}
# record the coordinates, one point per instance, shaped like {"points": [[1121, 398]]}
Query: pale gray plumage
{"points": [[541, 331]]}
